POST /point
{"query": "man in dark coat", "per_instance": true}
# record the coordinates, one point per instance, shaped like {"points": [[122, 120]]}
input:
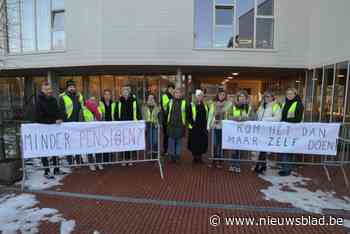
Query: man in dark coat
{"points": [[47, 112], [197, 118], [292, 112], [164, 102], [71, 104]]}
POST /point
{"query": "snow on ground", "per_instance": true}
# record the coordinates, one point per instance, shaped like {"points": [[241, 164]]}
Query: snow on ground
{"points": [[35, 178], [67, 226], [21, 212], [290, 189]]}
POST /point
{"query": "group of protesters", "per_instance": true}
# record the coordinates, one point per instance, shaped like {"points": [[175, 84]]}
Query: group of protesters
{"points": [[174, 114]]}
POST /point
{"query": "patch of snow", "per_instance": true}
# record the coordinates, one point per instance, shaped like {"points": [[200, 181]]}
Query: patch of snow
{"points": [[288, 189], [36, 180], [20, 214], [67, 226]]}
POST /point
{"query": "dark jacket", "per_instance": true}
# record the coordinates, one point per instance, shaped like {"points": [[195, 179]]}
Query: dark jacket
{"points": [[108, 110], [175, 126], [298, 112], [46, 109], [76, 108], [127, 111], [198, 135]]}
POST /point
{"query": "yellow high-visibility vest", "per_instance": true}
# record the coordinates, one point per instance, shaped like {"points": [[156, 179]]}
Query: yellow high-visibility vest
{"points": [[183, 111]]}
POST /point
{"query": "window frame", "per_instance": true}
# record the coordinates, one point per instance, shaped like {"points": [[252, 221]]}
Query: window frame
{"points": [[36, 47], [274, 17]]}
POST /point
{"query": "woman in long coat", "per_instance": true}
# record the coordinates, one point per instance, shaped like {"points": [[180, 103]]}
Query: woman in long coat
{"points": [[197, 123]]}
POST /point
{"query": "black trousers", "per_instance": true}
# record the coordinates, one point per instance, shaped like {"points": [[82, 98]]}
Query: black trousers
{"points": [[45, 162], [77, 158], [98, 158], [262, 157], [165, 138]]}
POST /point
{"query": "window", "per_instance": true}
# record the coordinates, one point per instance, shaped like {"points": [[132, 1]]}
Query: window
{"points": [[224, 24], [339, 92], [35, 25], [327, 93], [234, 24]]}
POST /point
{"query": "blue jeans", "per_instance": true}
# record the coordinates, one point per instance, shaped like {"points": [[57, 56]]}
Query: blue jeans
{"points": [[236, 154], [152, 138], [217, 143], [285, 167], [174, 148]]}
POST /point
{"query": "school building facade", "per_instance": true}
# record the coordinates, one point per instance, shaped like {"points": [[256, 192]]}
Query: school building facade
{"points": [[249, 44]]}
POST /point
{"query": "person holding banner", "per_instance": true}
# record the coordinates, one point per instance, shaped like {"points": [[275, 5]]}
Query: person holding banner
{"points": [[217, 112], [152, 115], [164, 102], [292, 112], [93, 113], [47, 112], [108, 108], [128, 110], [71, 103], [269, 110], [176, 123], [197, 118], [241, 110]]}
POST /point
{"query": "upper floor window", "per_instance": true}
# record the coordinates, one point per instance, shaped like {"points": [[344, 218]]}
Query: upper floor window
{"points": [[234, 24], [35, 25]]}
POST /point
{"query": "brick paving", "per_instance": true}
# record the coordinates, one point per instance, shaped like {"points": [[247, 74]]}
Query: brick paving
{"points": [[109, 217], [183, 182]]}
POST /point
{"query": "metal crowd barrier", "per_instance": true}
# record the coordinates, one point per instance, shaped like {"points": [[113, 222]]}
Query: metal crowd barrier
{"points": [[10, 139], [341, 160]]}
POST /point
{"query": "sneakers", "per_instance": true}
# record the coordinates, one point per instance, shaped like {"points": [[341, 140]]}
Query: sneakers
{"points": [[92, 168], [100, 167], [235, 169], [123, 164], [49, 176], [130, 164], [284, 173]]}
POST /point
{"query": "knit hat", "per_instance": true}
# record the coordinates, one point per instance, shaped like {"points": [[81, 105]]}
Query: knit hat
{"points": [[199, 92], [70, 83]]}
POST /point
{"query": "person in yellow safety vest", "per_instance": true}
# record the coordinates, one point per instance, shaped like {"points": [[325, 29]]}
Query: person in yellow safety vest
{"points": [[217, 112], [108, 109], [164, 102], [152, 115], [292, 112], [71, 105], [127, 110], [176, 123], [197, 118], [241, 110], [92, 113], [269, 110]]}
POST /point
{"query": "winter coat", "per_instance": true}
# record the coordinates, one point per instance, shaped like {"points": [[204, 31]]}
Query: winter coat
{"points": [[127, 109], [46, 109], [198, 133], [299, 111], [269, 112]]}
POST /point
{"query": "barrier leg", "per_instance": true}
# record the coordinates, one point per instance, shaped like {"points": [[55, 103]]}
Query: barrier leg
{"points": [[345, 176], [24, 174], [327, 173]]}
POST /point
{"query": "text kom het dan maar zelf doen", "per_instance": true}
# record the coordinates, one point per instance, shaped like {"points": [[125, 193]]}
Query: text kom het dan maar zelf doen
{"points": [[99, 138], [281, 137]]}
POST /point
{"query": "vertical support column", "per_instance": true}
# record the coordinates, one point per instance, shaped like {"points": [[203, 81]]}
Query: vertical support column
{"points": [[85, 90], [178, 80], [28, 91], [52, 78]]}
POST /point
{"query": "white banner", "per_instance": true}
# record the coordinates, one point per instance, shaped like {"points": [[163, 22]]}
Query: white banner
{"points": [[41, 140], [281, 137]]}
